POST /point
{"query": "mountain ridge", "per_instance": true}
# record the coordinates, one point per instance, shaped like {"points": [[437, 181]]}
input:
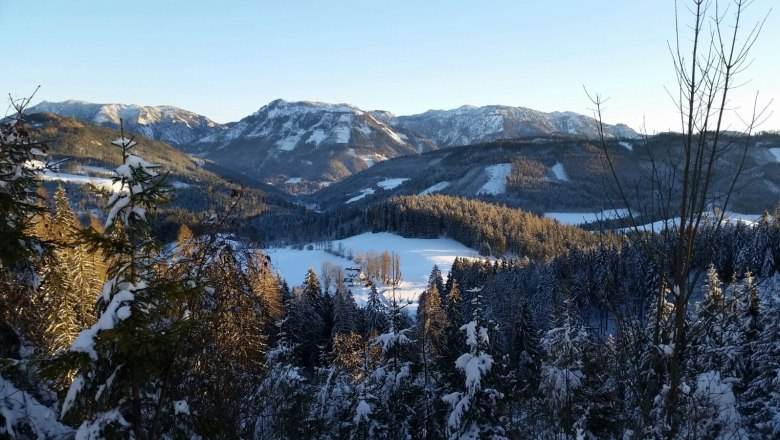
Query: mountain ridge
{"points": [[304, 146]]}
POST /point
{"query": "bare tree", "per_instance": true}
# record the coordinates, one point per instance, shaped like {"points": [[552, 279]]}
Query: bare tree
{"points": [[691, 176], [326, 273]]}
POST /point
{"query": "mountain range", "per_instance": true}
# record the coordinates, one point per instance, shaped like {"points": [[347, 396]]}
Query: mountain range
{"points": [[164, 123], [541, 174], [304, 146]]}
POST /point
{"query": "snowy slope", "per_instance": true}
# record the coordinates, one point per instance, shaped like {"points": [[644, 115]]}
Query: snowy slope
{"points": [[314, 141], [496, 183], [559, 172]]}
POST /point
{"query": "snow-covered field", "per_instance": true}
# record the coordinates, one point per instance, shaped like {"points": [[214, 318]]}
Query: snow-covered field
{"points": [[389, 184], [417, 258], [560, 172], [363, 192], [496, 183], [434, 188], [100, 182], [580, 218], [660, 225]]}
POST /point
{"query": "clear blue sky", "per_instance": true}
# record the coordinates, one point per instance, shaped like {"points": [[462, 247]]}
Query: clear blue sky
{"points": [[226, 59]]}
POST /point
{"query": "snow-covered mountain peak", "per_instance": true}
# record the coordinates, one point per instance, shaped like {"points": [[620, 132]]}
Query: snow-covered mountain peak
{"points": [[468, 124], [281, 108]]}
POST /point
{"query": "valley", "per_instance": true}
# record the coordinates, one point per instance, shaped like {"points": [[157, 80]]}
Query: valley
{"points": [[352, 232]]}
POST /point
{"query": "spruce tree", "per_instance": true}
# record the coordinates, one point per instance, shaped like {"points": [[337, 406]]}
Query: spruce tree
{"points": [[121, 363], [563, 374], [475, 411]]}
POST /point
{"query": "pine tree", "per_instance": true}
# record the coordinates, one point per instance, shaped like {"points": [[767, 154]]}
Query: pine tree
{"points": [[432, 323], [70, 279], [475, 411], [375, 312], [435, 279], [760, 403], [267, 288], [383, 407], [431, 337], [311, 287], [282, 397], [344, 311], [19, 248], [525, 351], [121, 363], [563, 375], [18, 183]]}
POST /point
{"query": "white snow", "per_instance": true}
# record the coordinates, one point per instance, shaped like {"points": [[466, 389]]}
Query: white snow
{"points": [[393, 135], [371, 159], [294, 180], [96, 170], [417, 256], [559, 172], [776, 153], [717, 394], [181, 407], [496, 183], [179, 185], [660, 225], [289, 143], [341, 134], [17, 407], [362, 412], [317, 136], [363, 193], [580, 218], [117, 310], [434, 188], [627, 145], [393, 183], [99, 182]]}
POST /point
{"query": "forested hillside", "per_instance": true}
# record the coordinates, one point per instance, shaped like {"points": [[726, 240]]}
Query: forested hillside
{"points": [[492, 229], [84, 154]]}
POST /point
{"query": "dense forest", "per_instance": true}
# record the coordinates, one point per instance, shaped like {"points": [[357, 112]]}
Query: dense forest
{"points": [[492, 229]]}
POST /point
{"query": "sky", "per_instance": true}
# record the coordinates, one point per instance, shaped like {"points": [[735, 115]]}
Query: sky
{"points": [[227, 59]]}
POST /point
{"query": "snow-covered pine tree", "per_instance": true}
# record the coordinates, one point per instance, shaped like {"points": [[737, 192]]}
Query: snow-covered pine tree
{"points": [[760, 403], [384, 404], [122, 364], [282, 397], [475, 410], [562, 375], [21, 162], [717, 341], [375, 313]]}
